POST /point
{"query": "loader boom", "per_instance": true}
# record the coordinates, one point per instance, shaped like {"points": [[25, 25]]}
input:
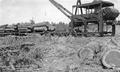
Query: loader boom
{"points": [[62, 9]]}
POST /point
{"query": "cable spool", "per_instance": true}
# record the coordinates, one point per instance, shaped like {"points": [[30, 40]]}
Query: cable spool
{"points": [[110, 13]]}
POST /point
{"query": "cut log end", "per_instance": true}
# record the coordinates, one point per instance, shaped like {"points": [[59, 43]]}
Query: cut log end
{"points": [[111, 59]]}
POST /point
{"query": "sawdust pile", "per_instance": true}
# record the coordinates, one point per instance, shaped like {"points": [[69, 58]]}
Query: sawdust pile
{"points": [[35, 53]]}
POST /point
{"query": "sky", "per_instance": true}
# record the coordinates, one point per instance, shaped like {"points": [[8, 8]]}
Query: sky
{"points": [[14, 11]]}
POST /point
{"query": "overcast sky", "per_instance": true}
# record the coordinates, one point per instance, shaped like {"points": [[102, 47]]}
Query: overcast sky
{"points": [[13, 11]]}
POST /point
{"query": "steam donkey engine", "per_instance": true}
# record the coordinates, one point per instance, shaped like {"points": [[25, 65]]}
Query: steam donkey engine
{"points": [[101, 14]]}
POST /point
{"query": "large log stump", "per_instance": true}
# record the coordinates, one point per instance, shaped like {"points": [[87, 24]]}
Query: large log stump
{"points": [[111, 59]]}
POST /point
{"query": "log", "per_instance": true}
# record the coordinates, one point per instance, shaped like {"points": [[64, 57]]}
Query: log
{"points": [[111, 59], [85, 53]]}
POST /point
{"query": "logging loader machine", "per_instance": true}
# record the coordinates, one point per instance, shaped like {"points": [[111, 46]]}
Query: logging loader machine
{"points": [[98, 13]]}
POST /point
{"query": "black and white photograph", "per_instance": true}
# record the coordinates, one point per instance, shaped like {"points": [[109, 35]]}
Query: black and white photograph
{"points": [[59, 35]]}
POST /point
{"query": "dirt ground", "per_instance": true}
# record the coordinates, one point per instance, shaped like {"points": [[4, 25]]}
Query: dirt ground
{"points": [[35, 53]]}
